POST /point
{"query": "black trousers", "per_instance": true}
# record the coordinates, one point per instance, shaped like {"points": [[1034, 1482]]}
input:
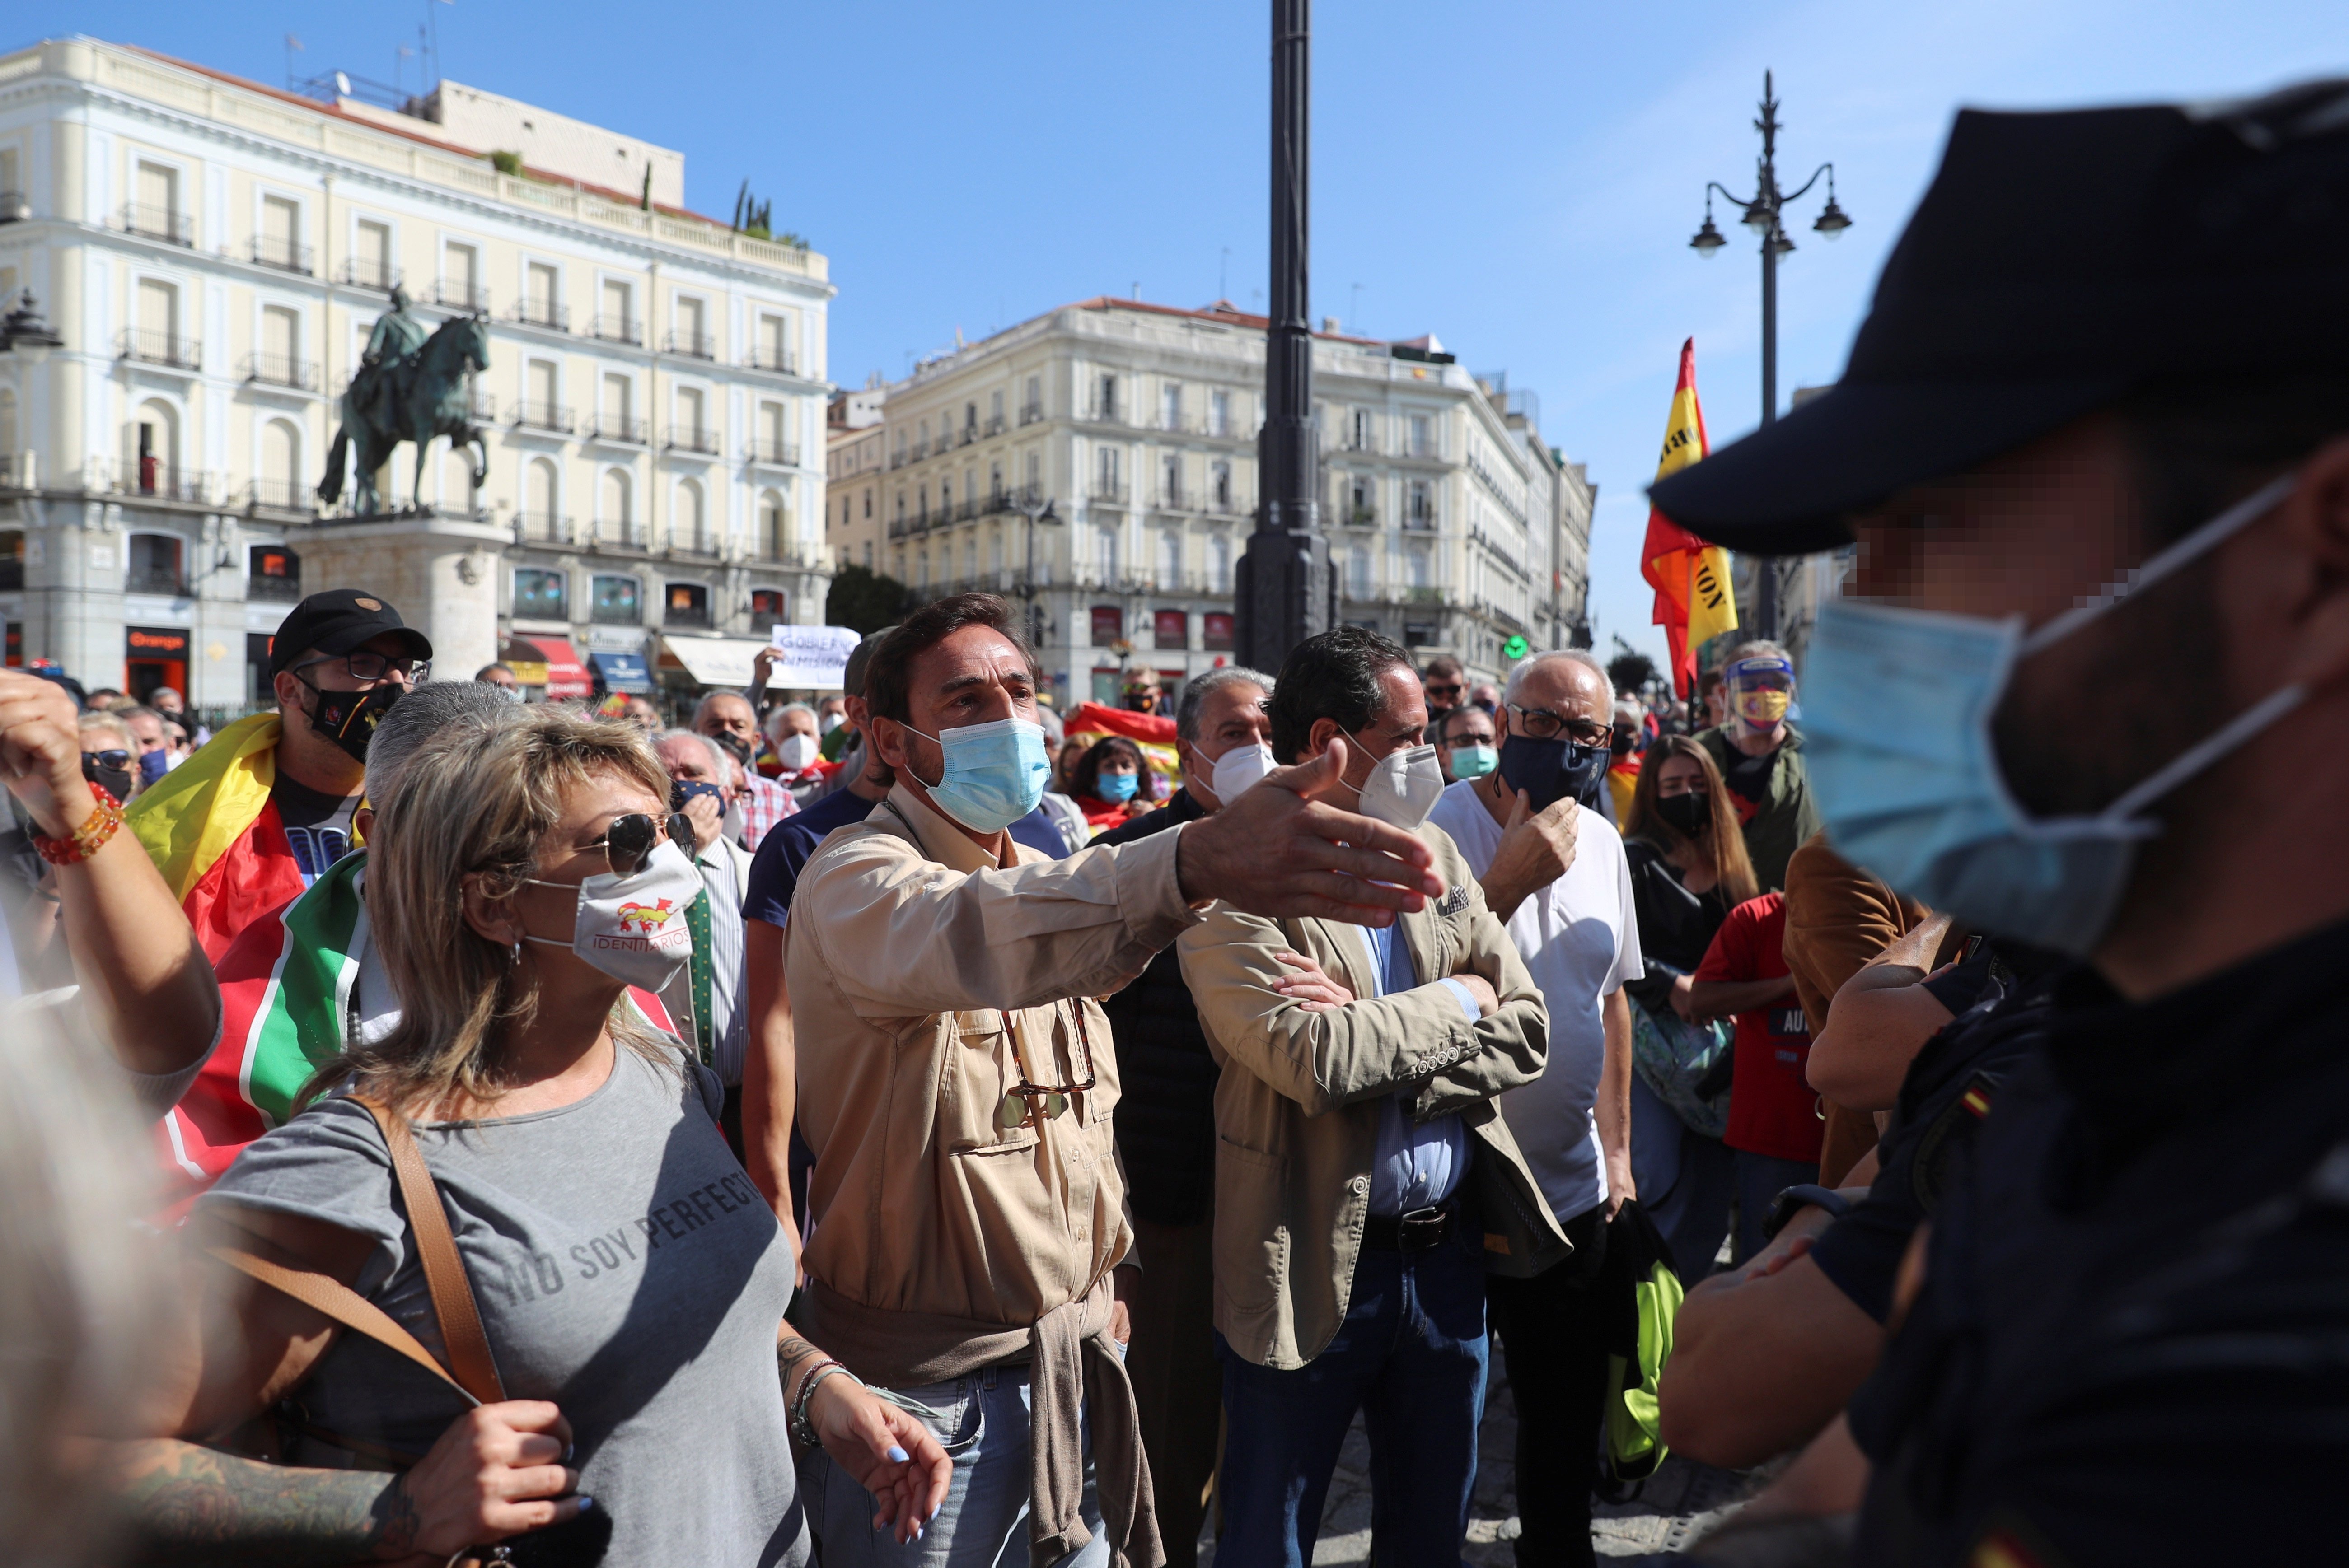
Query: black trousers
{"points": [[1552, 1329]]}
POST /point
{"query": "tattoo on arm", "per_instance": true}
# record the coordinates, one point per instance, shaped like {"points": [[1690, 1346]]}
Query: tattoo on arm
{"points": [[193, 1507], [792, 1352]]}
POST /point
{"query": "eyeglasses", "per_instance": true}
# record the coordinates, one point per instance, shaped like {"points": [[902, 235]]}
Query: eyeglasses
{"points": [[630, 838], [1029, 1104], [1450, 693], [370, 668], [117, 759], [1544, 724]]}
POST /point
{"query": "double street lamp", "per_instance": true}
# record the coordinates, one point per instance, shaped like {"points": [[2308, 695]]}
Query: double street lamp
{"points": [[1036, 507], [1765, 214]]}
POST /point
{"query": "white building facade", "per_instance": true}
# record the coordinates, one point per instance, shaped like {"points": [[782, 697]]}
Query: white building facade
{"points": [[1451, 527], [213, 255]]}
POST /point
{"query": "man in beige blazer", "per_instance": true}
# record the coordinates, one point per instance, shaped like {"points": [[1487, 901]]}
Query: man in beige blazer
{"points": [[1364, 1178]]}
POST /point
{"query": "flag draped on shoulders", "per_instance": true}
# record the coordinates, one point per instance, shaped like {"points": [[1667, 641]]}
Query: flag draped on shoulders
{"points": [[1694, 601], [209, 826]]}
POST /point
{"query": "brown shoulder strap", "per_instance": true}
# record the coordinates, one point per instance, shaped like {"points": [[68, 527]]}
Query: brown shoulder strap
{"points": [[444, 1270], [325, 1294]]}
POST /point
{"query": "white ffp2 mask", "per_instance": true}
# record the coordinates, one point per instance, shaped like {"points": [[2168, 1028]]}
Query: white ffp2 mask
{"points": [[634, 928]]}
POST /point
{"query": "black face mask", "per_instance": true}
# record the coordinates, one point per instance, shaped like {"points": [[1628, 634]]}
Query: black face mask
{"points": [[114, 781], [348, 717], [1689, 815], [1626, 742], [736, 746], [1551, 770]]}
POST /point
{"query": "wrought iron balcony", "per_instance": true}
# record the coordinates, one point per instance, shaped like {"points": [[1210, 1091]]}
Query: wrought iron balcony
{"points": [[148, 346], [278, 370], [994, 424], [1030, 413], [617, 329], [366, 273], [695, 616], [765, 356], [279, 495], [615, 428], [461, 293], [775, 454], [693, 344], [618, 534], [692, 439], [154, 477], [697, 546], [535, 415], [541, 528], [1108, 490], [545, 313], [287, 256], [156, 577], [272, 590], [168, 224]]}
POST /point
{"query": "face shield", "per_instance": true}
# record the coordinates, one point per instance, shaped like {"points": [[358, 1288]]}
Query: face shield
{"points": [[1760, 690]]}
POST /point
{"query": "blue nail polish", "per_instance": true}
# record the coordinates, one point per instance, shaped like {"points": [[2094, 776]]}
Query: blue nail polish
{"points": [[897, 1455], [568, 1450], [586, 1503]]}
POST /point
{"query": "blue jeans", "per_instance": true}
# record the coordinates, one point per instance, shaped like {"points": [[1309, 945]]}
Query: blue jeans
{"points": [[1761, 1178], [982, 1420], [1412, 1356]]}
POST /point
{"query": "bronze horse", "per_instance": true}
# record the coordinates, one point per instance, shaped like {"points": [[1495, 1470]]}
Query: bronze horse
{"points": [[429, 398]]}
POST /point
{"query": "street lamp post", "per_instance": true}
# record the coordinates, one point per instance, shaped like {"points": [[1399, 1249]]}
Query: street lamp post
{"points": [[1282, 590], [1036, 507], [1763, 214]]}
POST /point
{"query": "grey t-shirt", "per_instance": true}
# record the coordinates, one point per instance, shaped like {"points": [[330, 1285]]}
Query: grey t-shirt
{"points": [[626, 1270]]}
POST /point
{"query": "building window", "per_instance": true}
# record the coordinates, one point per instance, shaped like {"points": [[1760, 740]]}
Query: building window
{"points": [[1216, 631], [1422, 505], [541, 595], [1219, 564], [692, 329], [768, 606], [776, 525], [1358, 573], [1105, 474], [994, 412], [461, 278], [615, 313], [1219, 413], [542, 301], [1170, 559], [1034, 472], [1109, 624], [280, 482], [1107, 541], [995, 551], [155, 566], [773, 350], [1219, 484], [615, 602], [1359, 437], [970, 422], [1170, 479], [1423, 437], [687, 605], [690, 526], [371, 263], [1416, 563], [1032, 407], [280, 242], [1170, 629], [273, 573], [1105, 397], [1170, 411], [618, 504]]}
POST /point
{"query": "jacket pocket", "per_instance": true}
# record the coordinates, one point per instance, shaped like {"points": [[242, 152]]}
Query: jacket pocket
{"points": [[1252, 1240]]}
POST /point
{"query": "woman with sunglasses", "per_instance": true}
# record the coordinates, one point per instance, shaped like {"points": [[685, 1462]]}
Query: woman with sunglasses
{"points": [[628, 1281]]}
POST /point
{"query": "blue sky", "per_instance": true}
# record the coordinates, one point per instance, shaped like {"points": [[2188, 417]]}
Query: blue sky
{"points": [[1519, 179]]}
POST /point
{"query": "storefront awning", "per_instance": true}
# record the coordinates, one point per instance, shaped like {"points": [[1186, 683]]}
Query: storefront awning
{"points": [[623, 673], [565, 676], [719, 662]]}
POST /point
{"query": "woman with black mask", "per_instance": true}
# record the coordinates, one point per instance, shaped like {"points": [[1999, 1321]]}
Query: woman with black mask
{"points": [[1689, 870]]}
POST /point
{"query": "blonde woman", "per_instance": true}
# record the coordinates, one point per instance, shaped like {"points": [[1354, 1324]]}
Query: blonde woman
{"points": [[630, 1282]]}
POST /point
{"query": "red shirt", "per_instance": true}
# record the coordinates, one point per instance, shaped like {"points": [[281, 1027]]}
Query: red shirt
{"points": [[1773, 1109]]}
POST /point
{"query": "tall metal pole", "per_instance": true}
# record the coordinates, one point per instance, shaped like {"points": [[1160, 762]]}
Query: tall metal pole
{"points": [[1768, 196], [1283, 589]]}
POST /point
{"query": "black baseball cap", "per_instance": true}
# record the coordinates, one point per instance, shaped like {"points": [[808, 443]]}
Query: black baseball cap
{"points": [[336, 621], [2057, 261]]}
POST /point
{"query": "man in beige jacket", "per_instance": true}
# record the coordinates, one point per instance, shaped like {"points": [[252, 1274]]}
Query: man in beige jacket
{"points": [[956, 1083], [1363, 1175]]}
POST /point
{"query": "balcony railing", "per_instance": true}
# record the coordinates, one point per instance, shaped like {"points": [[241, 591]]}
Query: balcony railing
{"points": [[693, 344], [279, 495], [1170, 498], [615, 428], [1030, 413], [544, 313], [366, 273], [278, 370], [1362, 516], [285, 255], [617, 329], [1103, 414], [15, 206], [541, 528], [686, 615], [617, 533], [620, 613], [970, 434], [767, 357], [158, 224], [156, 577], [1418, 446], [536, 416], [994, 424], [148, 346], [1358, 441], [695, 545], [154, 477], [485, 409], [1108, 490], [461, 293], [775, 454], [692, 439], [1423, 521], [273, 590]]}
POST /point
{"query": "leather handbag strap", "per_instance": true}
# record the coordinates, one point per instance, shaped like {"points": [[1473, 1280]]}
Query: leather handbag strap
{"points": [[470, 1359], [327, 1296]]}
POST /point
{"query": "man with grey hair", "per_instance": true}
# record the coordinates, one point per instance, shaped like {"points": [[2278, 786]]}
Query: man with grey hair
{"points": [[792, 741], [727, 717], [1575, 928], [1166, 1129], [1760, 756], [301, 982], [707, 994]]}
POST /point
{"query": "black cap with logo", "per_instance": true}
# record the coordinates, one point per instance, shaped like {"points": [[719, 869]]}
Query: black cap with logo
{"points": [[2057, 261], [336, 621]]}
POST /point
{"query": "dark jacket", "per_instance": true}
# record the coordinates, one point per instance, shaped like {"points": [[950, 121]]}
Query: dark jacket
{"points": [[1785, 817], [1166, 1120]]}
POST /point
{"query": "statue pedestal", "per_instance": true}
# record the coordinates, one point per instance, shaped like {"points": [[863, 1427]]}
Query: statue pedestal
{"points": [[440, 571]]}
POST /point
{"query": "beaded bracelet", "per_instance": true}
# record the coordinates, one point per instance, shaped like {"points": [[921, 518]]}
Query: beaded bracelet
{"points": [[86, 840], [801, 1429]]}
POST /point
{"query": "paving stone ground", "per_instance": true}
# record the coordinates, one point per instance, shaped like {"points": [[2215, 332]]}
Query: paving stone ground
{"points": [[1680, 1502]]}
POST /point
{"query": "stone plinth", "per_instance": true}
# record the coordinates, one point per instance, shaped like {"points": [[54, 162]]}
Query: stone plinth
{"points": [[438, 570]]}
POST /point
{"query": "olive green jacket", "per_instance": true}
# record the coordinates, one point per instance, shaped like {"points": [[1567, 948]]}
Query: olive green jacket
{"points": [[1787, 816]]}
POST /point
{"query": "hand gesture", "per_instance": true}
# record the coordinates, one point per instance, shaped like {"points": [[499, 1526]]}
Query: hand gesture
{"points": [[888, 1452], [1537, 848], [761, 664], [1281, 850], [40, 752], [1310, 987], [497, 1471], [707, 815]]}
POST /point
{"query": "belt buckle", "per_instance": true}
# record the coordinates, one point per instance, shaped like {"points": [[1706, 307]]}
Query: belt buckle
{"points": [[1422, 1229]]}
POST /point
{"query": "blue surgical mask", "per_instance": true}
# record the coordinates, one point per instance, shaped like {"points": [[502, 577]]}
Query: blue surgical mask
{"points": [[1551, 770], [1116, 788], [995, 773], [153, 765], [1474, 761], [1899, 752]]}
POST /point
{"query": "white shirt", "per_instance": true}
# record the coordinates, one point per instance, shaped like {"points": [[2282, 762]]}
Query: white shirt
{"points": [[1580, 942]]}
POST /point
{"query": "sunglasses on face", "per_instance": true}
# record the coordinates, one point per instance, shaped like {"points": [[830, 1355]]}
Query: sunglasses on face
{"points": [[1446, 692], [115, 759], [629, 840], [371, 668]]}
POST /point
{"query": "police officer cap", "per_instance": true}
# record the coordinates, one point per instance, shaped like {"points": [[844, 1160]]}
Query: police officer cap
{"points": [[2057, 260]]}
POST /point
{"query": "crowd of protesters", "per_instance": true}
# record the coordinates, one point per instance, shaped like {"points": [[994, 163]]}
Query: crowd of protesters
{"points": [[883, 1129]]}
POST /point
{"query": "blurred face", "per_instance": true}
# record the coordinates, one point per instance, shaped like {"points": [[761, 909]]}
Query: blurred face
{"points": [[499, 676], [1114, 765], [1487, 696], [164, 700], [688, 760], [175, 738], [1680, 775], [799, 721], [147, 732], [728, 717], [642, 714], [1444, 689]]}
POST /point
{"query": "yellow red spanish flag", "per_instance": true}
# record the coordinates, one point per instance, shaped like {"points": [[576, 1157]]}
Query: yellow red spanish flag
{"points": [[1693, 598], [213, 830]]}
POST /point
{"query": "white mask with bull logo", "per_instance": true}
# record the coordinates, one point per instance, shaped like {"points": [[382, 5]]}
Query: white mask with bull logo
{"points": [[634, 928]]}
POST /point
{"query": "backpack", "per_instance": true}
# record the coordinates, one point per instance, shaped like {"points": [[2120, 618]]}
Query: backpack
{"points": [[1639, 1278]]}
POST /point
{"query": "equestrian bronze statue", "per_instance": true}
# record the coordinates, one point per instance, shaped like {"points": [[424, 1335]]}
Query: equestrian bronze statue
{"points": [[409, 387]]}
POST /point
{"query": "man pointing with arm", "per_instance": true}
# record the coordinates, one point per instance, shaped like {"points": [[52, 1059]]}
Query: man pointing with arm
{"points": [[956, 1083]]}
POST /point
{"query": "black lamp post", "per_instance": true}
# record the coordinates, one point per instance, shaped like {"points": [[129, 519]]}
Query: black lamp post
{"points": [[1036, 507], [22, 331], [1763, 214], [1283, 589]]}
